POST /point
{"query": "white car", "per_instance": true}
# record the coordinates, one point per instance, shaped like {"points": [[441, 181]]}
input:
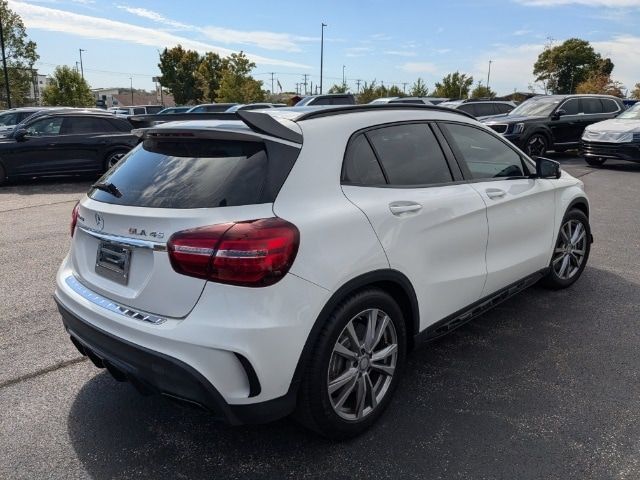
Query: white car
{"points": [[289, 261], [617, 138]]}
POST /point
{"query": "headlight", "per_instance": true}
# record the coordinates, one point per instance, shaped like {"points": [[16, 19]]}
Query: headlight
{"points": [[518, 128]]}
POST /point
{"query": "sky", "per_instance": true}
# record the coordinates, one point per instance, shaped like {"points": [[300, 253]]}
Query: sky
{"points": [[390, 42]]}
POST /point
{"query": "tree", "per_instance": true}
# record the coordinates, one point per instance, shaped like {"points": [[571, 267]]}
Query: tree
{"points": [[482, 92], [368, 92], [454, 85], [563, 67], [600, 83], [236, 84], [342, 88], [67, 88], [208, 76], [178, 67], [21, 55], [636, 91], [394, 91], [419, 89]]}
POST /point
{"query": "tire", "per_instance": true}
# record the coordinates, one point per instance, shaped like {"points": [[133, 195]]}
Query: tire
{"points": [[112, 158], [353, 373], [3, 176], [595, 162], [570, 252], [536, 145]]}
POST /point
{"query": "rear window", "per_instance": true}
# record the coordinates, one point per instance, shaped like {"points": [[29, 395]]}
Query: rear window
{"points": [[199, 173]]}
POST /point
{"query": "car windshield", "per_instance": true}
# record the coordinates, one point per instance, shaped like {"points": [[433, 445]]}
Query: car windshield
{"points": [[632, 114], [8, 119], [535, 107]]}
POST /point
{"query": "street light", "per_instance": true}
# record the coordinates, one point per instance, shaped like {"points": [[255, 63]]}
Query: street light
{"points": [[343, 80], [321, 53], [489, 74], [81, 67]]}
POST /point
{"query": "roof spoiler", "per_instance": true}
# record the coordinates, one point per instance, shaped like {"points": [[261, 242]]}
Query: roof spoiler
{"points": [[261, 122]]}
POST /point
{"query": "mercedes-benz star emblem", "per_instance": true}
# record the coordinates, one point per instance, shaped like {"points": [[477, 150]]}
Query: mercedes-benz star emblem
{"points": [[99, 221]]}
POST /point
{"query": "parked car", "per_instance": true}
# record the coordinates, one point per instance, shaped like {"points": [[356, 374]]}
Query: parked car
{"points": [[629, 102], [174, 110], [618, 138], [211, 108], [329, 99], [12, 117], [553, 122], [136, 110], [207, 268], [481, 108], [414, 100], [65, 142], [249, 106]]}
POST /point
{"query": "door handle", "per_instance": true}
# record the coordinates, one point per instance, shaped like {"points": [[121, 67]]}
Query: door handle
{"points": [[404, 208], [495, 193]]}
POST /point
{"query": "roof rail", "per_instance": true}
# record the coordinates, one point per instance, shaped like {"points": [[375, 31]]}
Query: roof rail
{"points": [[342, 109]]}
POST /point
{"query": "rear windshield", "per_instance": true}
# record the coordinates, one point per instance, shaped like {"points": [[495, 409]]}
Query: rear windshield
{"points": [[200, 173]]}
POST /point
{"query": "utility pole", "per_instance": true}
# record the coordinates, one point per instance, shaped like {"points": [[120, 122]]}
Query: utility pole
{"points": [[321, 54], [358, 84], [343, 79], [4, 65], [272, 74], [131, 80], [297, 90], [77, 67], [305, 82], [489, 74], [404, 87], [81, 67]]}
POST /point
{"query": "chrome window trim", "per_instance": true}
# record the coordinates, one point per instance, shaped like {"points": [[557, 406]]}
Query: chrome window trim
{"points": [[128, 241], [89, 295]]}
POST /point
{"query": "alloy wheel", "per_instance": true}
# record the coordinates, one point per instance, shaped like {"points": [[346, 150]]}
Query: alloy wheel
{"points": [[114, 158], [536, 146], [570, 250], [362, 364]]}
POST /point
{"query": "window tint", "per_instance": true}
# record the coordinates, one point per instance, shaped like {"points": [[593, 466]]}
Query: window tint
{"points": [[199, 174], [410, 155], [138, 111], [86, 125], [609, 105], [323, 101], [484, 155], [154, 109], [45, 127], [360, 164], [591, 105], [504, 107], [10, 118], [571, 106], [468, 108], [483, 109]]}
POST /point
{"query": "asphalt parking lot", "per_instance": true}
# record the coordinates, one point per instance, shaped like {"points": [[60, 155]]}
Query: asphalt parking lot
{"points": [[544, 386]]}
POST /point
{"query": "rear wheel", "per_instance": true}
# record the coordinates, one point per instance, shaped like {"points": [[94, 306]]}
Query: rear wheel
{"points": [[536, 145], [571, 251], [113, 158], [595, 162], [354, 367]]}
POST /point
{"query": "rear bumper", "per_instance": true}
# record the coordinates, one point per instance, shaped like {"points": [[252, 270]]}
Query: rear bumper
{"points": [[621, 151], [152, 372]]}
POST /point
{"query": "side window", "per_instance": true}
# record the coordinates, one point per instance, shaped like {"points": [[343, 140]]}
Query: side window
{"points": [[45, 127], [484, 109], [360, 164], [139, 111], [467, 108], [86, 125], [484, 155], [410, 155], [609, 106], [323, 101], [504, 107], [571, 106], [591, 105]]}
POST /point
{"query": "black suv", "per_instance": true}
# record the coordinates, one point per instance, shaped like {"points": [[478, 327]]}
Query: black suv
{"points": [[63, 142], [480, 108], [553, 122]]}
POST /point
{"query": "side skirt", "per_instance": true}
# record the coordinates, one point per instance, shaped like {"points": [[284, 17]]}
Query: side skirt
{"points": [[467, 314]]}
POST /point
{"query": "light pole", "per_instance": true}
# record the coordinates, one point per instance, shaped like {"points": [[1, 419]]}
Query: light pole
{"points": [[344, 83], [321, 53], [489, 74], [131, 82], [4, 65], [81, 67]]}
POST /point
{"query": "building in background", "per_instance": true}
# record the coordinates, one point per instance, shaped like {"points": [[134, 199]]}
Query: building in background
{"points": [[38, 84], [114, 97]]}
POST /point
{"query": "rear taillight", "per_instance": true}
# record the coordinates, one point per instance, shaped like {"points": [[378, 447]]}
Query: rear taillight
{"points": [[254, 253], [74, 218]]}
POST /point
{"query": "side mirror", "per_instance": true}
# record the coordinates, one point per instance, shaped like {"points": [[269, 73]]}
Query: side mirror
{"points": [[20, 135], [546, 168], [558, 113]]}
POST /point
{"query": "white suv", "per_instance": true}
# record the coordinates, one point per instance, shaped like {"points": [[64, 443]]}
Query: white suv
{"points": [[289, 260]]}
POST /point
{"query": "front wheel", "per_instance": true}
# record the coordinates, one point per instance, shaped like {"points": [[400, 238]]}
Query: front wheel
{"points": [[354, 368], [571, 251], [536, 145], [595, 162], [113, 158]]}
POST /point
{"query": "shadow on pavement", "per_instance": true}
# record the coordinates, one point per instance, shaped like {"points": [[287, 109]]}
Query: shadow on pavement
{"points": [[544, 386], [48, 185]]}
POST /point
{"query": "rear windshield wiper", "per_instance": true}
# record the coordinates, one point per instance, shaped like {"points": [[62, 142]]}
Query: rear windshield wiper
{"points": [[107, 187]]}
